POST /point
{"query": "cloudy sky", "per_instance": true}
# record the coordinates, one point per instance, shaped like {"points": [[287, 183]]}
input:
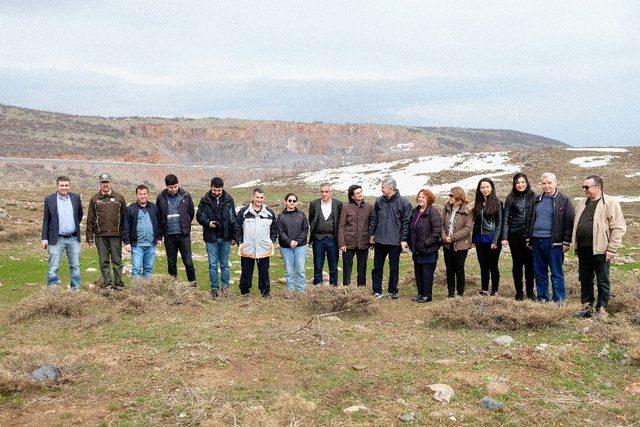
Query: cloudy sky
{"points": [[566, 70]]}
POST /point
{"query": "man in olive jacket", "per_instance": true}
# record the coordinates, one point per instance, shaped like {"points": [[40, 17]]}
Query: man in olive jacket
{"points": [[597, 236], [104, 227]]}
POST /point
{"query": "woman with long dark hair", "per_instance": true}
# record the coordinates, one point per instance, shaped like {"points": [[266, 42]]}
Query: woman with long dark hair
{"points": [[456, 239], [517, 213], [425, 229], [487, 230], [293, 228]]}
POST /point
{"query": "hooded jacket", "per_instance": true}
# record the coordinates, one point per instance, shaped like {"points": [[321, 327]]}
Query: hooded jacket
{"points": [[205, 215]]}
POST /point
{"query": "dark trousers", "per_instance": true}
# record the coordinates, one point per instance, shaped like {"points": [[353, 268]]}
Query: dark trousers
{"points": [[590, 265], [488, 259], [454, 263], [522, 259], [347, 265], [246, 277], [380, 253], [110, 257], [424, 277], [174, 243], [328, 247]]}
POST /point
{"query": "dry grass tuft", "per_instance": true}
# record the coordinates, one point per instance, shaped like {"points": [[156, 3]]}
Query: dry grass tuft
{"points": [[292, 410], [338, 299], [55, 302], [491, 313], [625, 300], [12, 382], [166, 289]]}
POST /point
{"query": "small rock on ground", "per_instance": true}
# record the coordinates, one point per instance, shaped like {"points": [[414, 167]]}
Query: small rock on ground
{"points": [[91, 270], [443, 392], [46, 372], [333, 319], [408, 417], [503, 340], [634, 388], [354, 409], [497, 388], [542, 347], [489, 403]]}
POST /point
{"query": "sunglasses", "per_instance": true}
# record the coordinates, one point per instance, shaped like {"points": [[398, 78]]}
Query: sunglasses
{"points": [[291, 200], [586, 187]]}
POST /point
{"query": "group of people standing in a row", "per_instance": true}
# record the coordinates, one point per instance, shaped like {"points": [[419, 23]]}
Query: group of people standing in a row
{"points": [[539, 230]]}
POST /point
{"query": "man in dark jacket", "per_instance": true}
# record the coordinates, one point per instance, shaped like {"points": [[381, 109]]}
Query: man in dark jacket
{"points": [[324, 214], [104, 227], [217, 215], [141, 233], [353, 235], [389, 231], [549, 236], [175, 213], [61, 231]]}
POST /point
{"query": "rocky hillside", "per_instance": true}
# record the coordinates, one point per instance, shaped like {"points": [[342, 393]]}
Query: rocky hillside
{"points": [[236, 143]]}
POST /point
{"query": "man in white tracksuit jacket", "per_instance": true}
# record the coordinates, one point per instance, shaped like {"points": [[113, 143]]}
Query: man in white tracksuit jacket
{"points": [[256, 231]]}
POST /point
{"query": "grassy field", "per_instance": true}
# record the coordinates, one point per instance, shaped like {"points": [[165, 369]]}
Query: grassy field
{"points": [[166, 355]]}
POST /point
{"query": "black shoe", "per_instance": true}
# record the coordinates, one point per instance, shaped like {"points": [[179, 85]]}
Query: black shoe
{"points": [[585, 313], [266, 294], [214, 294], [451, 296], [493, 294], [425, 299], [484, 293], [416, 298], [519, 297], [394, 295], [244, 294]]}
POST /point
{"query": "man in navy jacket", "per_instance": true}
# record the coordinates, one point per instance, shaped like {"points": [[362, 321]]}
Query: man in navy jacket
{"points": [[61, 231]]}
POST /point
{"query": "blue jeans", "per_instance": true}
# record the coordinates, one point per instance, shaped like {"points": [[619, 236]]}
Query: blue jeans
{"points": [[142, 259], [328, 246], [72, 247], [294, 261], [547, 257], [218, 252]]}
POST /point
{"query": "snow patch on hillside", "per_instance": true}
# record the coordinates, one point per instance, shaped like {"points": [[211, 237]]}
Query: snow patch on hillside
{"points": [[599, 149], [248, 184], [592, 161], [414, 174]]}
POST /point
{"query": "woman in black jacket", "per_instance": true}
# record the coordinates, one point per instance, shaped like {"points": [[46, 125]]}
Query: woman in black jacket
{"points": [[425, 229], [517, 213], [487, 230], [293, 227]]}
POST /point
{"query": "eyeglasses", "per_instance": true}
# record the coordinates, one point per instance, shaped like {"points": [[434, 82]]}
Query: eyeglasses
{"points": [[291, 200], [586, 187]]}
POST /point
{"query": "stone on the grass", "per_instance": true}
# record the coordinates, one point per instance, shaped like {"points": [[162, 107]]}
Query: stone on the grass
{"points": [[408, 417], [358, 367], [91, 270], [333, 319], [443, 392], [633, 388], [446, 361], [46, 372], [355, 408], [542, 347], [503, 340], [497, 388], [489, 403]]}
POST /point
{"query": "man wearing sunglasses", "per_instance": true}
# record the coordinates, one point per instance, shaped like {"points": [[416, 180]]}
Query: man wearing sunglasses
{"points": [[597, 235]]}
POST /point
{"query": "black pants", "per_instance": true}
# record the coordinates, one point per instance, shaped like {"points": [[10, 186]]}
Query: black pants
{"points": [[246, 277], [454, 262], [590, 265], [110, 257], [424, 278], [488, 259], [522, 258], [379, 256], [347, 265], [174, 243]]}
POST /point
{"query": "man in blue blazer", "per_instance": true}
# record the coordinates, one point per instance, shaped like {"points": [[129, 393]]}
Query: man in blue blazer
{"points": [[61, 231]]}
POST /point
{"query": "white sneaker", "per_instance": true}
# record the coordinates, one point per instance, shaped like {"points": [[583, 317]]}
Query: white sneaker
{"points": [[377, 295]]}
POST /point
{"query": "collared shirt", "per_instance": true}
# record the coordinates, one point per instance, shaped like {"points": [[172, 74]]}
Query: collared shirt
{"points": [[66, 222], [144, 229], [326, 209]]}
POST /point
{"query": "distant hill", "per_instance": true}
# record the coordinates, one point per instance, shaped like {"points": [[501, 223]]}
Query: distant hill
{"points": [[233, 143]]}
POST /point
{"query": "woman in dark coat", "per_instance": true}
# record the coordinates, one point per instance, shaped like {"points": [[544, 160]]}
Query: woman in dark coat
{"points": [[517, 213], [487, 230], [424, 241]]}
